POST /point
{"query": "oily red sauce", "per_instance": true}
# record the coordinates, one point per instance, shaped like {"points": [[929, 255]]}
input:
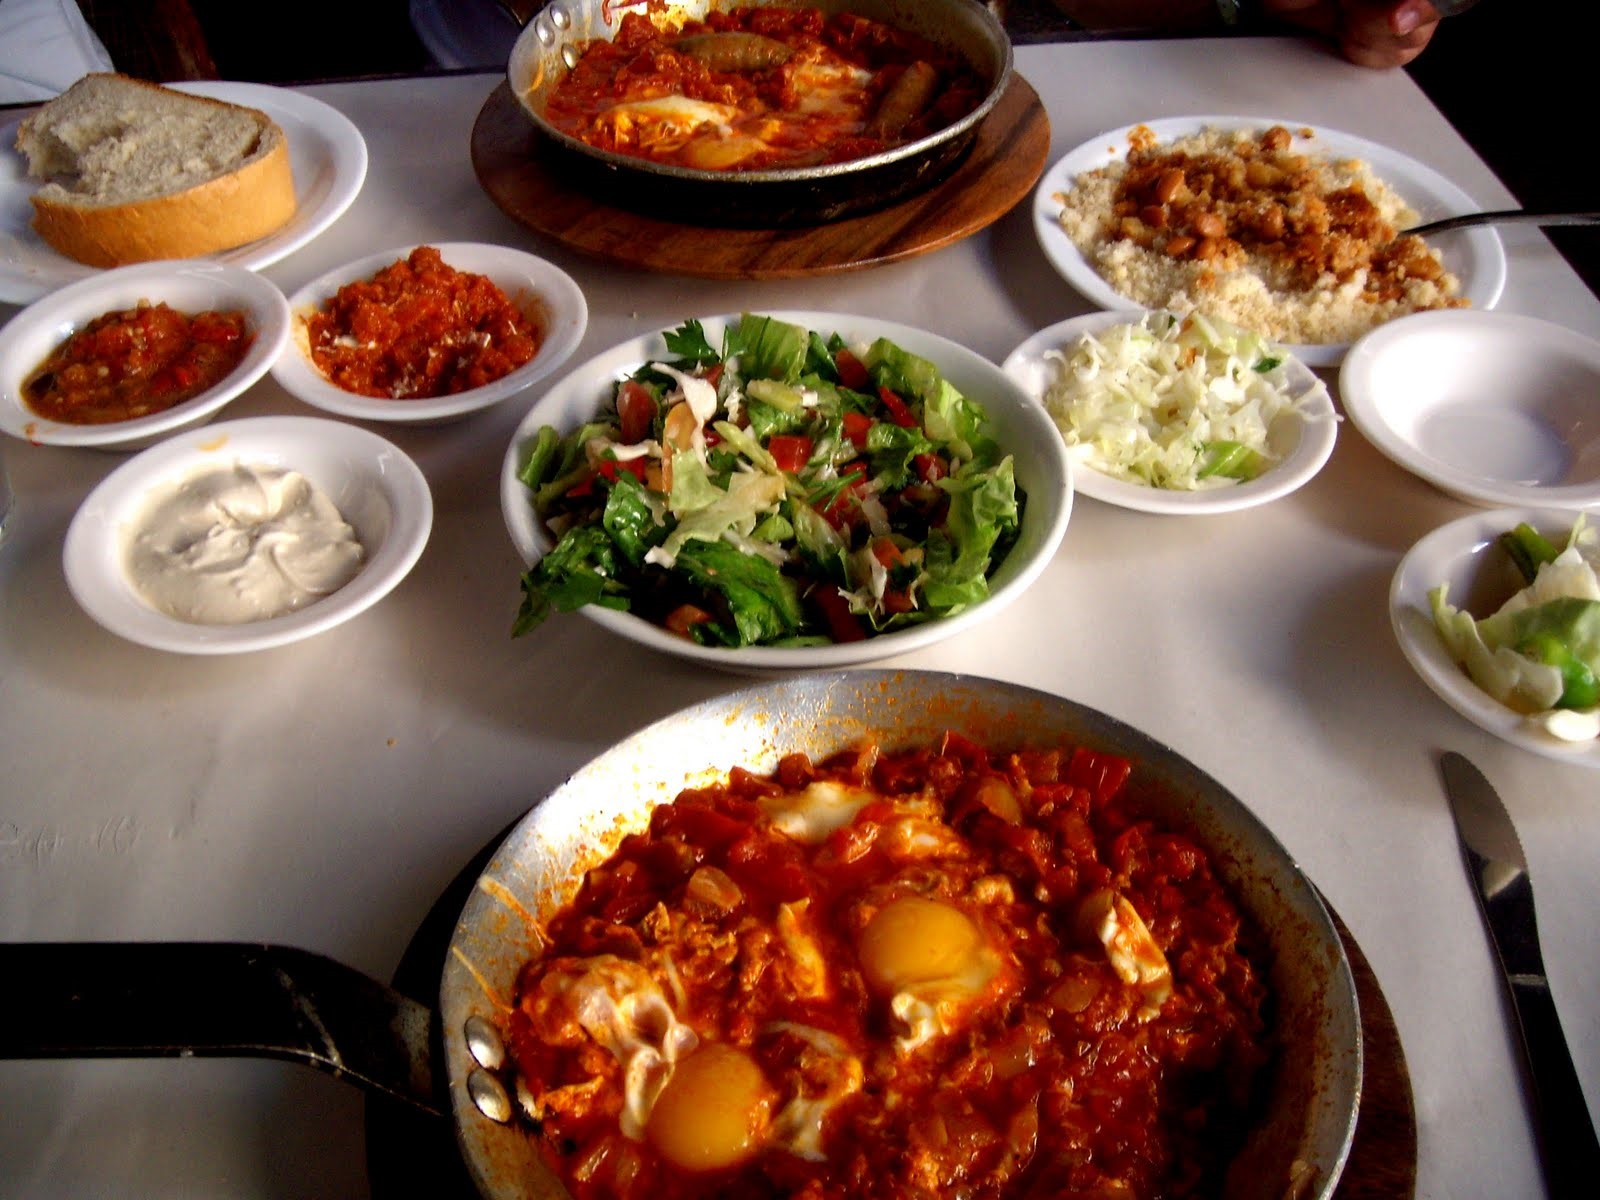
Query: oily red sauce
{"points": [[135, 362], [420, 329], [1062, 1080], [846, 87]]}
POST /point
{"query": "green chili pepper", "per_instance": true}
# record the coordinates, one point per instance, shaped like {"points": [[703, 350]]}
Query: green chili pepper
{"points": [[1529, 549], [1580, 688], [1233, 460]]}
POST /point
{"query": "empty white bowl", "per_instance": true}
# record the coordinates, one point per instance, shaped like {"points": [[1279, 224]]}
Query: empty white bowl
{"points": [[1463, 555], [1020, 427], [375, 486], [541, 289], [1492, 408], [188, 286], [1303, 439]]}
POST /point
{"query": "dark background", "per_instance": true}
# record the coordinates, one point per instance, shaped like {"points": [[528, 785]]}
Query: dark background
{"points": [[1505, 72]]}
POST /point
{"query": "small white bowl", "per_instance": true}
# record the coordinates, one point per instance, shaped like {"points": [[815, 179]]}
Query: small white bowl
{"points": [[1303, 440], [1491, 408], [1020, 427], [544, 291], [191, 287], [374, 485], [1463, 555]]}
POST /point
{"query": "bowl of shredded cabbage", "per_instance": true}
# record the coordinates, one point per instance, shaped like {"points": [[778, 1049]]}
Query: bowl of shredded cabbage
{"points": [[1177, 414], [1499, 613]]}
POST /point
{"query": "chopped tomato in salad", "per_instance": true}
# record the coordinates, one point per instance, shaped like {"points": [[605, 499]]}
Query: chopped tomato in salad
{"points": [[784, 488]]}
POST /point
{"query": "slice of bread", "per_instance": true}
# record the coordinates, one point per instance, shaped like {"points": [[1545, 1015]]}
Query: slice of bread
{"points": [[138, 171]]}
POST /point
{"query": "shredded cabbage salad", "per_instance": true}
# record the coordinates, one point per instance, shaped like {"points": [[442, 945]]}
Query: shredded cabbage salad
{"points": [[1184, 403], [781, 488], [1539, 653]]}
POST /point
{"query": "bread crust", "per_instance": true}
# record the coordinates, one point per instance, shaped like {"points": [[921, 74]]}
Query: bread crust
{"points": [[254, 199]]}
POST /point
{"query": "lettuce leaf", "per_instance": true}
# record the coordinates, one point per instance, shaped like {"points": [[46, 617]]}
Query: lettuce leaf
{"points": [[890, 450], [983, 509], [750, 496], [580, 569], [772, 349], [762, 603], [902, 372], [630, 519]]}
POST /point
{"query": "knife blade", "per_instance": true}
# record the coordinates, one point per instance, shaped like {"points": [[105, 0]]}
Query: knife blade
{"points": [[1498, 868]]}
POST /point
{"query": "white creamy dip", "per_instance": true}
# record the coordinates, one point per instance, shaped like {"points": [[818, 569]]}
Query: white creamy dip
{"points": [[239, 543]]}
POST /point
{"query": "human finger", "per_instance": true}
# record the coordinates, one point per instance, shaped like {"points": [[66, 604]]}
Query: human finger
{"points": [[1387, 35]]}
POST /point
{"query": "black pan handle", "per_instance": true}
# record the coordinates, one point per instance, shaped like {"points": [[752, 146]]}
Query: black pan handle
{"points": [[216, 999]]}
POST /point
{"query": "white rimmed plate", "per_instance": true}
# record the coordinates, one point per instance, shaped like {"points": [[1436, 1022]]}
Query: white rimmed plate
{"points": [[1020, 426], [1491, 408], [544, 291], [327, 155], [1463, 555], [1475, 256], [191, 286], [374, 485], [1303, 440]]}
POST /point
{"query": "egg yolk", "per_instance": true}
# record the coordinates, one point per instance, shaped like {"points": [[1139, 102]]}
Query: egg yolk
{"points": [[914, 940], [713, 1112]]}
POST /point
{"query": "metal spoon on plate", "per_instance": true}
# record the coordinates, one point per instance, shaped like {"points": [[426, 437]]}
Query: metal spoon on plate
{"points": [[1513, 216]]}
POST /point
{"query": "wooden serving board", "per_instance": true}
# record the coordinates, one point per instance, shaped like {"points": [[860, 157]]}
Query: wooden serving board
{"points": [[1383, 1155], [411, 1154], [520, 175]]}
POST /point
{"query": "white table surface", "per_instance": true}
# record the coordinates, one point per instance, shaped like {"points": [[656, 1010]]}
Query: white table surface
{"points": [[323, 794]]}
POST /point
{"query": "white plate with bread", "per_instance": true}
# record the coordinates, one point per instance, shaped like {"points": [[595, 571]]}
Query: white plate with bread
{"points": [[123, 171]]}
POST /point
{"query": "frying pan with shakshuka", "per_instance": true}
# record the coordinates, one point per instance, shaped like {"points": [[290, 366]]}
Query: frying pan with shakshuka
{"points": [[778, 197], [134, 1000]]}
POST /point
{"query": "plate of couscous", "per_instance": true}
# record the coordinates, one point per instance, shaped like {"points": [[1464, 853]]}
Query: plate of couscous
{"points": [[1276, 225]]}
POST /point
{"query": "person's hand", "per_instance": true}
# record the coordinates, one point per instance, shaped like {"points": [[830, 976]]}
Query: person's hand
{"points": [[1373, 33]]}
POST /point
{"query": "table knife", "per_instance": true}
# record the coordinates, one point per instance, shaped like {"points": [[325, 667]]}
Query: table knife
{"points": [[1569, 1151]]}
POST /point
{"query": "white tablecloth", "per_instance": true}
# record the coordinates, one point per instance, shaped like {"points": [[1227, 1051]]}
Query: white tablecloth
{"points": [[324, 794]]}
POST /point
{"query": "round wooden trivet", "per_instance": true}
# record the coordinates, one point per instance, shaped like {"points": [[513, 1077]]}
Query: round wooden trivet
{"points": [[1006, 160], [1383, 1156]]}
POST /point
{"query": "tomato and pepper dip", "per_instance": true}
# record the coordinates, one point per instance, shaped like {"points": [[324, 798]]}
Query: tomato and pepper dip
{"points": [[420, 329], [761, 87], [135, 362], [949, 970]]}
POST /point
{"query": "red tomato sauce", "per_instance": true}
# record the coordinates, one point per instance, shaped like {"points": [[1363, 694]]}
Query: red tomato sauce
{"points": [[794, 87], [135, 362], [420, 329], [1056, 1076]]}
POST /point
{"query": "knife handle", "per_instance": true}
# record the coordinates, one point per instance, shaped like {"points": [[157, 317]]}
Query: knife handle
{"points": [[1571, 1153]]}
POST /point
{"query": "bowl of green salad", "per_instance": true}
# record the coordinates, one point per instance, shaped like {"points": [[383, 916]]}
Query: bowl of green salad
{"points": [[783, 491]]}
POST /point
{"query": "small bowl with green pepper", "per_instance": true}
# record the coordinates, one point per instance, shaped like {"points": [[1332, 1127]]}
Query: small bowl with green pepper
{"points": [[1499, 612]]}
